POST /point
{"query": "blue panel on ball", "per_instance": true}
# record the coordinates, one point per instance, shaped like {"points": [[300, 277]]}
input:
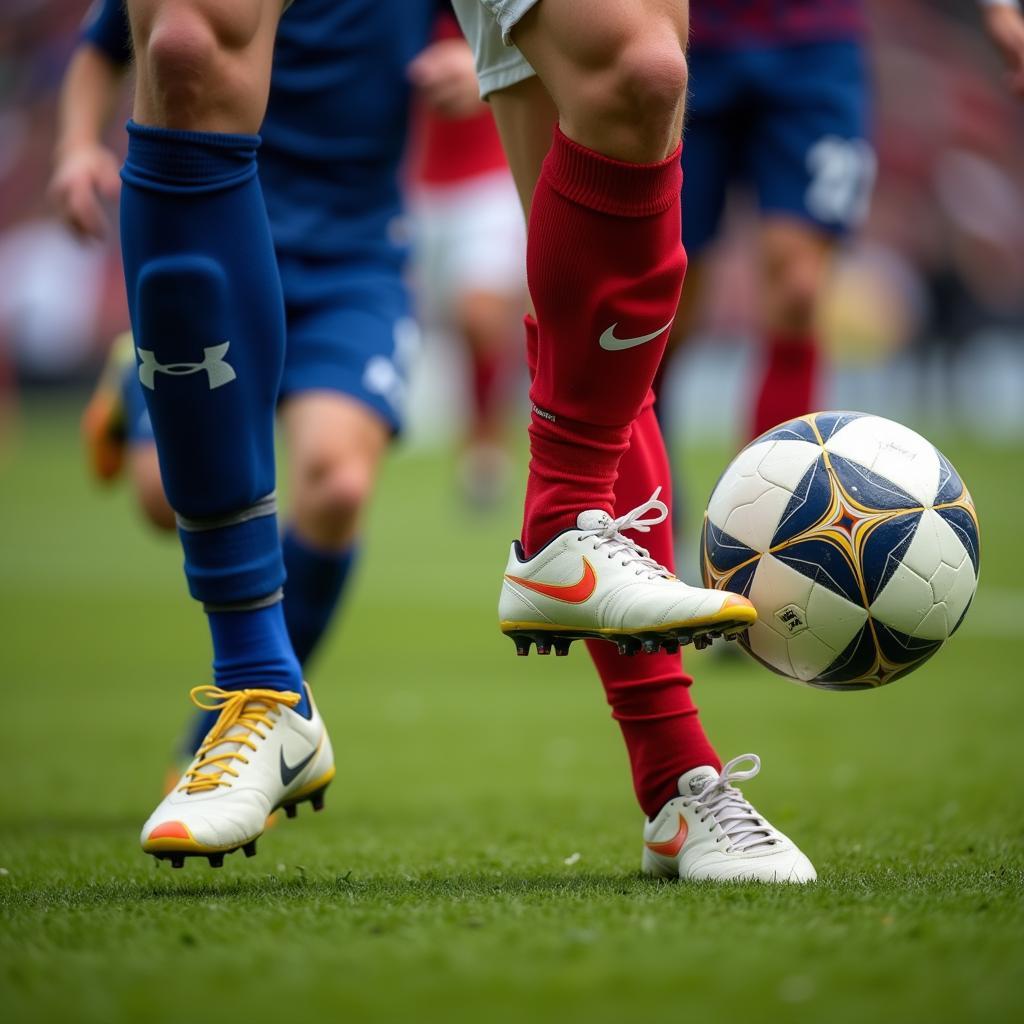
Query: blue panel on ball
{"points": [[869, 489], [857, 660], [885, 547], [827, 563], [829, 422], [721, 550], [903, 650], [950, 485], [963, 525], [811, 499], [794, 430], [739, 582]]}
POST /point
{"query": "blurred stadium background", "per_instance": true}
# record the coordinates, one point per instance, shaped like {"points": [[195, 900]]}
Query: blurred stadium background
{"points": [[476, 856], [924, 320]]}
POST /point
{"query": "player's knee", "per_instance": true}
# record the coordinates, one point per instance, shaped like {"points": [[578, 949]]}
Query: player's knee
{"points": [[647, 87], [182, 58], [191, 58], [333, 492]]}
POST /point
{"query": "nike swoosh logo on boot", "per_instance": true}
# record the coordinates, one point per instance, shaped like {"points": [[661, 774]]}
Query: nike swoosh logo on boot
{"points": [[571, 593], [288, 771], [610, 343], [671, 847]]}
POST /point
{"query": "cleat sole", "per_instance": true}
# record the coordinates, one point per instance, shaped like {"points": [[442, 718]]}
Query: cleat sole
{"points": [[727, 624]]}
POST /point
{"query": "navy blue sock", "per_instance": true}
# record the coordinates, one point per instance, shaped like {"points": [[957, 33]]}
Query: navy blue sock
{"points": [[208, 318], [316, 581]]}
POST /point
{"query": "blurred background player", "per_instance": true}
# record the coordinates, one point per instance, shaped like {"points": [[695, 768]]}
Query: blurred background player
{"points": [[779, 102], [332, 142], [469, 250]]}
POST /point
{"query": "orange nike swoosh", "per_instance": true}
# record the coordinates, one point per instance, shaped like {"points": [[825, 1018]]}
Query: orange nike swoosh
{"points": [[571, 593], [671, 847]]}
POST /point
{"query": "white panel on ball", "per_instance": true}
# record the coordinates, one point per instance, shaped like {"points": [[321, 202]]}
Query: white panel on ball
{"points": [[755, 490], [892, 451], [811, 641]]}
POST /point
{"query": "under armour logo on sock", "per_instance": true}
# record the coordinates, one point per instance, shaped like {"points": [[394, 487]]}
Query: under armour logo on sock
{"points": [[218, 370]]}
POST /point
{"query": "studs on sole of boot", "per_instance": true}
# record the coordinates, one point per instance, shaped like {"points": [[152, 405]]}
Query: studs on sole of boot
{"points": [[177, 860], [216, 860], [543, 647], [701, 642], [670, 646], [522, 646], [562, 648], [291, 810], [317, 800], [249, 849], [628, 646], [651, 646]]}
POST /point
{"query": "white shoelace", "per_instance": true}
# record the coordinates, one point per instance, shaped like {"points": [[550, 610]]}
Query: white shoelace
{"points": [[742, 827], [610, 537]]}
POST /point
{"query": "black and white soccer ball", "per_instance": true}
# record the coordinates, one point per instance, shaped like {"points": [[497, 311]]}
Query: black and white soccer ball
{"points": [[855, 539]]}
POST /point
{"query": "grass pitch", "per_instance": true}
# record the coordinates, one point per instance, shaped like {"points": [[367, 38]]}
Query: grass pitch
{"points": [[477, 859]]}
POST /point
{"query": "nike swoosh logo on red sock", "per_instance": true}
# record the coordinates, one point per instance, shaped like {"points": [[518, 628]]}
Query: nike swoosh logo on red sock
{"points": [[610, 343]]}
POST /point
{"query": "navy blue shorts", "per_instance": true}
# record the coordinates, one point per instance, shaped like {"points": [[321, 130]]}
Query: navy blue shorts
{"points": [[790, 122], [350, 329]]}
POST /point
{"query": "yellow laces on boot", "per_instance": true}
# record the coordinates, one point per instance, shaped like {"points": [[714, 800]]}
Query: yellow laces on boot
{"points": [[245, 711]]}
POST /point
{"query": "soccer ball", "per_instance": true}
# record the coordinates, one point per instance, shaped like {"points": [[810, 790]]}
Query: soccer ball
{"points": [[856, 541]]}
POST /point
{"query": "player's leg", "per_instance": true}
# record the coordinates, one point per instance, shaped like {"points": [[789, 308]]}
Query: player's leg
{"points": [[604, 230], [482, 230], [814, 170], [605, 265], [794, 261], [698, 825], [649, 696], [335, 444], [667, 747], [350, 341], [207, 316]]}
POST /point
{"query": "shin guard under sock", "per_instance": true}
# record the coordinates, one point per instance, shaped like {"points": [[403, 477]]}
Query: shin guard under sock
{"points": [[208, 320]]}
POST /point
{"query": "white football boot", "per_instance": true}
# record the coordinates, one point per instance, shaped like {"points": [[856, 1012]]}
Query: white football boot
{"points": [[711, 833], [592, 581], [260, 755]]}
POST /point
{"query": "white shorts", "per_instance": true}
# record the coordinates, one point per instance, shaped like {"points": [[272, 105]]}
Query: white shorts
{"points": [[468, 237], [487, 26]]}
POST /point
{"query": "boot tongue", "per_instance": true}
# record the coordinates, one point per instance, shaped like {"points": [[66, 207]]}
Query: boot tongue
{"points": [[696, 780], [593, 519]]}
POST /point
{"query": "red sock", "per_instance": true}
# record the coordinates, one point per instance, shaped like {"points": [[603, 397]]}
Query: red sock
{"points": [[605, 263], [789, 380], [648, 693]]}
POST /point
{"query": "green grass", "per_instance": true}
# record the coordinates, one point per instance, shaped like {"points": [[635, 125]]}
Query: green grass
{"points": [[435, 885]]}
